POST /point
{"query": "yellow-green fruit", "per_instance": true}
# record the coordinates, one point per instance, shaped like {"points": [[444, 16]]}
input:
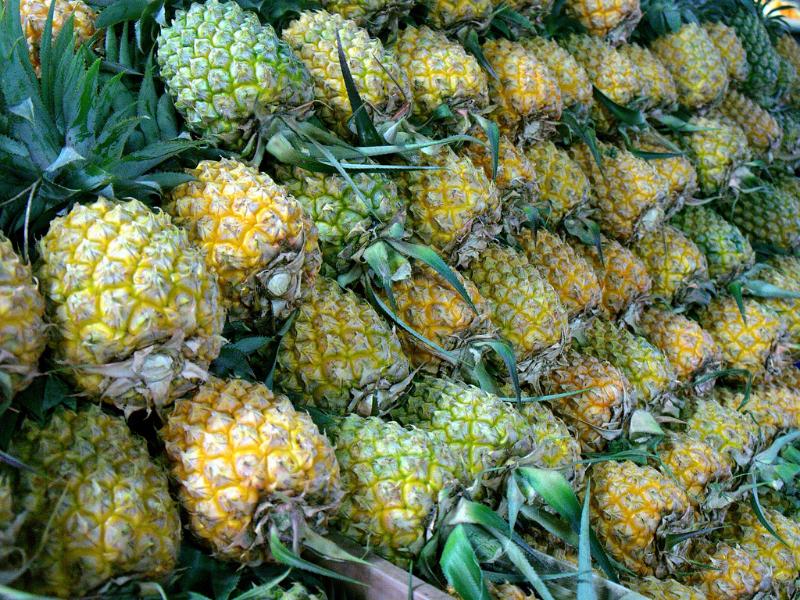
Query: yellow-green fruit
{"points": [[730, 49], [393, 478], [22, 329], [245, 461], [748, 341], [554, 447], [628, 192], [755, 214], [732, 573], [596, 414], [665, 589], [525, 91], [693, 464], [340, 356], [727, 250], [377, 76], [635, 507], [717, 149], [769, 405], [563, 186], [657, 88], [623, 276], [614, 19], [572, 78], [697, 67], [676, 265], [452, 14], [137, 314], [33, 15], [440, 72], [570, 274], [375, 15], [788, 309], [524, 306], [678, 171], [762, 130], [251, 233], [98, 508], [724, 429]]}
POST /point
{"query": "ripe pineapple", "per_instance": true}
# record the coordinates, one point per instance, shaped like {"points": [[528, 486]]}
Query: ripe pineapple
{"points": [[393, 478], [137, 315], [454, 14], [225, 70], [693, 464], [524, 306], [98, 508], [563, 186], [597, 414], [246, 461], [525, 91], [762, 130], [635, 507], [788, 309], [646, 368], [730, 49], [732, 573], [717, 149], [628, 192], [656, 85], [340, 356], [623, 277], [22, 328], [33, 15], [378, 77], [769, 405], [572, 78], [754, 213], [676, 265], [678, 171], [375, 15], [554, 447], [614, 19], [455, 209], [724, 429], [727, 250], [665, 589]]}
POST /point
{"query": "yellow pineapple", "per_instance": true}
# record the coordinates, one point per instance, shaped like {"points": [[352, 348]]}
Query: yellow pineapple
{"points": [[770, 405], [563, 186], [665, 589], [731, 572], [454, 14], [693, 464], [614, 19], [730, 49], [762, 130], [572, 78], [657, 88], [724, 429], [33, 14], [678, 171], [554, 447], [717, 150]]}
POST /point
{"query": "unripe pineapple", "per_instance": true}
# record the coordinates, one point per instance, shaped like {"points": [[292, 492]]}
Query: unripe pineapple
{"points": [[717, 149], [628, 192], [572, 78], [789, 122], [623, 277], [697, 67], [225, 70], [524, 306], [22, 328], [656, 85], [755, 214], [33, 15], [380, 81], [762, 130], [788, 309], [730, 49], [375, 15], [676, 265], [665, 589], [723, 428], [137, 313], [563, 186], [454, 14], [568, 272], [693, 464], [614, 19], [340, 356], [440, 72], [678, 171], [455, 209], [525, 91], [635, 507], [727, 250], [393, 478], [98, 508], [246, 461], [732, 573]]}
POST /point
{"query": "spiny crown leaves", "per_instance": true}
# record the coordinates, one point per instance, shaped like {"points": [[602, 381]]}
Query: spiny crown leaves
{"points": [[661, 17]]}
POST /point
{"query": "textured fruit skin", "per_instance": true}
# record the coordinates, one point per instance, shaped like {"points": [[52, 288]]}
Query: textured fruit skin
{"points": [[33, 16], [763, 58], [392, 479], [666, 589], [789, 122], [674, 262], [105, 506], [724, 429], [733, 573], [656, 85], [251, 232], [634, 507], [754, 214], [23, 336], [730, 49], [554, 446], [525, 90], [769, 405], [440, 71], [693, 464], [137, 315], [678, 171], [690, 349], [628, 192], [789, 50], [697, 67], [614, 19], [340, 356], [244, 459], [377, 76], [524, 306], [717, 149], [375, 15], [762, 130], [563, 186], [570, 274], [571, 77], [727, 250], [452, 14], [224, 69], [595, 415], [788, 309]]}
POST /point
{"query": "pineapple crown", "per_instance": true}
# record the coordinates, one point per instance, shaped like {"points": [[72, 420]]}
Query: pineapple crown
{"points": [[661, 17]]}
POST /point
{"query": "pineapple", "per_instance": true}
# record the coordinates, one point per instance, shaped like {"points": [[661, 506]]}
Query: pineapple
{"points": [[731, 572], [375, 15], [245, 461], [137, 315], [635, 507], [657, 86], [340, 356], [440, 72], [754, 213], [98, 509], [378, 77], [563, 186], [727, 250], [525, 91], [524, 306], [693, 465], [769, 405], [225, 70], [730, 49], [22, 328], [678, 171], [33, 15], [393, 479], [572, 78], [717, 149], [788, 309], [724, 429], [789, 122], [676, 265], [613, 19], [597, 414], [456, 14], [623, 277], [553, 444], [762, 130], [665, 589], [628, 192]]}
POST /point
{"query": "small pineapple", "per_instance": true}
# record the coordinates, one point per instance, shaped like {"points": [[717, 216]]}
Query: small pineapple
{"points": [[656, 85], [613, 19], [340, 356], [563, 186], [678, 171], [693, 464], [554, 447], [724, 429], [572, 78], [762, 130], [754, 213], [732, 573], [33, 15], [717, 149], [730, 49], [374, 15]]}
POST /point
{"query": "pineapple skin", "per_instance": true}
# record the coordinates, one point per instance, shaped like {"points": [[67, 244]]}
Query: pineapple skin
{"points": [[730, 49], [763, 133], [724, 429], [572, 78], [734, 573], [374, 15], [455, 14], [33, 16], [753, 214], [678, 171], [563, 186], [716, 150], [614, 19], [694, 464], [657, 86], [666, 589]]}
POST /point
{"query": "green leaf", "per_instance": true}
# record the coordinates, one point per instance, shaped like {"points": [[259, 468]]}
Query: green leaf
{"points": [[367, 133], [460, 567], [585, 580], [285, 556], [129, 10], [627, 116]]}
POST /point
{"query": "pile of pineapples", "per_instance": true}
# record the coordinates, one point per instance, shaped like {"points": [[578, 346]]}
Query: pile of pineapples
{"points": [[239, 314]]}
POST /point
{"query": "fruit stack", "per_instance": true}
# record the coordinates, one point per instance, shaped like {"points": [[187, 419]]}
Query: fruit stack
{"points": [[269, 272]]}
